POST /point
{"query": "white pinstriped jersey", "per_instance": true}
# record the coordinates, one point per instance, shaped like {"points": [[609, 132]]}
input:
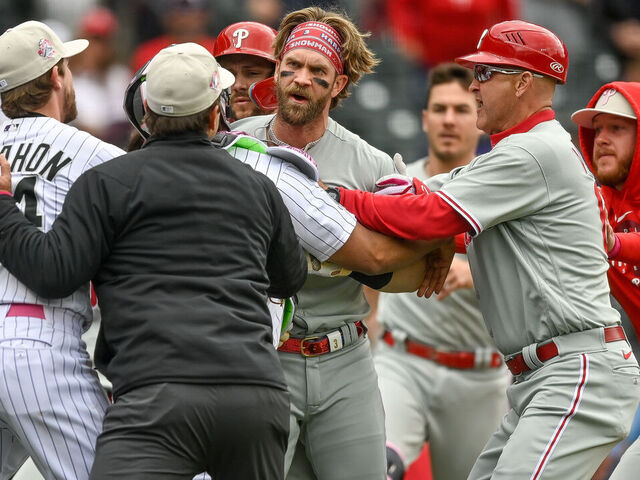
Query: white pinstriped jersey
{"points": [[322, 225], [46, 157]]}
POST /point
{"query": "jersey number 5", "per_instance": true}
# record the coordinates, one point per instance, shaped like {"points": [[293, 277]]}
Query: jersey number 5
{"points": [[25, 189]]}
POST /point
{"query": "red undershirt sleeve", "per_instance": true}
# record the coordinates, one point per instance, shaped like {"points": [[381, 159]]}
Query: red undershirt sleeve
{"points": [[413, 217], [629, 248]]}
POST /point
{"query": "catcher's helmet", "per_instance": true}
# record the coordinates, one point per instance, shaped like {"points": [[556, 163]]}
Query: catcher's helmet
{"points": [[248, 38], [521, 44]]}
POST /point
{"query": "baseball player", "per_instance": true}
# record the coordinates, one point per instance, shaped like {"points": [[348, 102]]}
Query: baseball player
{"points": [[337, 420], [608, 137], [608, 140], [535, 227], [51, 403], [441, 379], [183, 364], [246, 50], [323, 227]]}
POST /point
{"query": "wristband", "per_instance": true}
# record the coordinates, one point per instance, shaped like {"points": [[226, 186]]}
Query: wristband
{"points": [[616, 248]]}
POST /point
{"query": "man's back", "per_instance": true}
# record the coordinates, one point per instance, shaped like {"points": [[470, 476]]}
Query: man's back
{"points": [[46, 157]]}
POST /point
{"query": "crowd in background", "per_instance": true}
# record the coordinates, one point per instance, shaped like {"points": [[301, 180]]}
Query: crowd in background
{"points": [[410, 36]]}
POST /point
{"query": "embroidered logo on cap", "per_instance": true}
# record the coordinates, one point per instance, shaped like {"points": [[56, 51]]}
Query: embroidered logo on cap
{"points": [[606, 95], [45, 49]]}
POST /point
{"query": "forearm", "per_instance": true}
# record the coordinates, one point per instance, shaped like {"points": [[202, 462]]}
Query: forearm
{"points": [[627, 248], [412, 217], [372, 253]]}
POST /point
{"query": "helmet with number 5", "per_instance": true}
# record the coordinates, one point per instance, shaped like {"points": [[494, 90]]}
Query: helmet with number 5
{"points": [[524, 45], [248, 38]]}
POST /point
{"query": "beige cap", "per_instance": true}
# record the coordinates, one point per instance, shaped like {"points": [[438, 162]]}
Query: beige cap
{"points": [[31, 49], [611, 101], [184, 79]]}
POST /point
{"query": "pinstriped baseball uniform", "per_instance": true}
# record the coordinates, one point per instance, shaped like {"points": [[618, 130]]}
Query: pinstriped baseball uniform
{"points": [[456, 410], [336, 410], [539, 268], [51, 403], [322, 225]]}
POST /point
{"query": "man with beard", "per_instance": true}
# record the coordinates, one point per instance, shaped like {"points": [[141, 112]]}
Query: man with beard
{"points": [[609, 142], [51, 402], [337, 420], [608, 138], [246, 50], [426, 341]]}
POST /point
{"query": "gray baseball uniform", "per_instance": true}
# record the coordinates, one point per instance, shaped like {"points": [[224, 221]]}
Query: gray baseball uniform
{"points": [[442, 381], [539, 267], [336, 410], [538, 263], [51, 403]]}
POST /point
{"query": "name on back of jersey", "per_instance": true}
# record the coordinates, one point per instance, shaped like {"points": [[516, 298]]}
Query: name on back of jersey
{"points": [[27, 158]]}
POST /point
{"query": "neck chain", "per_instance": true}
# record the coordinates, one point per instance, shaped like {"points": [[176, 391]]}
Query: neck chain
{"points": [[277, 141]]}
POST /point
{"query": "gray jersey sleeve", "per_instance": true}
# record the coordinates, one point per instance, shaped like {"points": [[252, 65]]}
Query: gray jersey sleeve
{"points": [[504, 185], [322, 225]]}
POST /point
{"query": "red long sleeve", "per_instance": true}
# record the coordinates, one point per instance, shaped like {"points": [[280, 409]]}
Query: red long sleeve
{"points": [[413, 217], [629, 248]]}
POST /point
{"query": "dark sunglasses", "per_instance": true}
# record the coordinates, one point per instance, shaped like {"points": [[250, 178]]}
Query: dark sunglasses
{"points": [[482, 72]]}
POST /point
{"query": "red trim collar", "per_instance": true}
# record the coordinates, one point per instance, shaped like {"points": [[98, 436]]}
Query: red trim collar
{"points": [[525, 126]]}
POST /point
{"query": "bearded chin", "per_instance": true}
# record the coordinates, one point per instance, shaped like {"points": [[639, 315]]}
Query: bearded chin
{"points": [[298, 115], [70, 108], [614, 179]]}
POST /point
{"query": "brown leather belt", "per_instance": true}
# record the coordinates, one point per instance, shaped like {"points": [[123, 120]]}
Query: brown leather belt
{"points": [[547, 351], [327, 343], [460, 360]]}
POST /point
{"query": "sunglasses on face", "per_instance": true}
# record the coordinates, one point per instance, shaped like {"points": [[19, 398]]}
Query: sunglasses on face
{"points": [[482, 73]]}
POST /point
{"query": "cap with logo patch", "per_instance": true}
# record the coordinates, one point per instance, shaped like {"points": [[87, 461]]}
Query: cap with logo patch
{"points": [[30, 49], [184, 79], [611, 101]]}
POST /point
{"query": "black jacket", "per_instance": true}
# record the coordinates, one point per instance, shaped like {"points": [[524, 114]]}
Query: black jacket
{"points": [[183, 242]]}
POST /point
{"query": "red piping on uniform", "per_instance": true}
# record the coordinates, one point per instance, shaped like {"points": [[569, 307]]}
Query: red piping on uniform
{"points": [[584, 369]]}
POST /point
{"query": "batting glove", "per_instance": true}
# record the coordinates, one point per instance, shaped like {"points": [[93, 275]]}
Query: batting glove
{"points": [[395, 184]]}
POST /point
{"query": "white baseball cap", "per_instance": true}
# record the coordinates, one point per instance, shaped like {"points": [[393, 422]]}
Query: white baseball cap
{"points": [[184, 79], [31, 49], [611, 101]]}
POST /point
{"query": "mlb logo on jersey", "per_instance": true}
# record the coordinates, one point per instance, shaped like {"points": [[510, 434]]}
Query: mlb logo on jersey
{"points": [[45, 48]]}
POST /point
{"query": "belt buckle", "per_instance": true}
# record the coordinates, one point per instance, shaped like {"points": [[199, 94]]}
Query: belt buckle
{"points": [[308, 339]]}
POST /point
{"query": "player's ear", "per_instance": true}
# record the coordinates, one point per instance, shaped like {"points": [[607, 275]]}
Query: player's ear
{"points": [[145, 106], [425, 115], [339, 84], [56, 81], [214, 121]]}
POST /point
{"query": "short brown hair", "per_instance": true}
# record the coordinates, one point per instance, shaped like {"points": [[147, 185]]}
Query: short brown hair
{"points": [[29, 97], [448, 73], [162, 125], [358, 59]]}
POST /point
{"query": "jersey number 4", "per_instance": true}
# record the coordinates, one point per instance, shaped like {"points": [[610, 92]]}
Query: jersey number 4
{"points": [[25, 190]]}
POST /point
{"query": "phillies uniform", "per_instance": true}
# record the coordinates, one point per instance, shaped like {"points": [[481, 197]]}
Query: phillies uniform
{"points": [[624, 216], [440, 376], [51, 402], [337, 421], [539, 267], [624, 213]]}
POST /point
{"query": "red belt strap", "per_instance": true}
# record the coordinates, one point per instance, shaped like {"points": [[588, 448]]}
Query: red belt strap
{"points": [[545, 352], [460, 360], [314, 346], [26, 310]]}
